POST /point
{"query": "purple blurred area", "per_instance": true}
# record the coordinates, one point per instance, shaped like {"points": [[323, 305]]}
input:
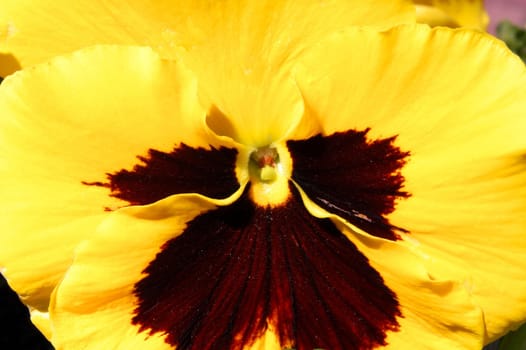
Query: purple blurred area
{"points": [[512, 10]]}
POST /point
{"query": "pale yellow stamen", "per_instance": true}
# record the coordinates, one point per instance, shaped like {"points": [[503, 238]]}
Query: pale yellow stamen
{"points": [[268, 173]]}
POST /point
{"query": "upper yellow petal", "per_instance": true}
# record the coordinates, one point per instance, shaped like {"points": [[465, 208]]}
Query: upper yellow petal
{"points": [[456, 100], [434, 88], [242, 52], [35, 31], [73, 120]]}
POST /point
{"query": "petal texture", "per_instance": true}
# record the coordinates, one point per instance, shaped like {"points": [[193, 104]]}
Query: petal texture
{"points": [[455, 99], [72, 121]]}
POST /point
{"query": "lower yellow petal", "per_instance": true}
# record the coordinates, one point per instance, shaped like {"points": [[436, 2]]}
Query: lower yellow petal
{"points": [[472, 226], [107, 328], [35, 253], [90, 310], [437, 311]]}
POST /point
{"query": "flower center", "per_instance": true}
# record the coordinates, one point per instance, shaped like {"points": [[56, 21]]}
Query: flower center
{"points": [[269, 169], [263, 164]]}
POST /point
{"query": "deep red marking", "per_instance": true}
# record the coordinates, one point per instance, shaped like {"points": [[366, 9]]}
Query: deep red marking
{"points": [[353, 177], [184, 170], [238, 269]]}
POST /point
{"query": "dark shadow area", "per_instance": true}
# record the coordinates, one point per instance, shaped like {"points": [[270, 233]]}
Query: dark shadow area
{"points": [[8, 64], [16, 330], [220, 123]]}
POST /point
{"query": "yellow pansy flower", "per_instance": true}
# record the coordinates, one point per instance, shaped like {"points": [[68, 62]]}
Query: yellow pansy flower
{"points": [[38, 32], [452, 13], [284, 186]]}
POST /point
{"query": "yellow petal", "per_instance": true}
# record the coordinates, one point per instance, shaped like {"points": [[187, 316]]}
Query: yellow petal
{"points": [[242, 52], [472, 225], [35, 31], [35, 256], [437, 313], [73, 120], [456, 100], [242, 48], [452, 13], [91, 310], [437, 90], [94, 305]]}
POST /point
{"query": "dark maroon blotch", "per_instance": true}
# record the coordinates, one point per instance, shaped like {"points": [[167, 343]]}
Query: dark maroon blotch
{"points": [[184, 170], [353, 177], [238, 269]]}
